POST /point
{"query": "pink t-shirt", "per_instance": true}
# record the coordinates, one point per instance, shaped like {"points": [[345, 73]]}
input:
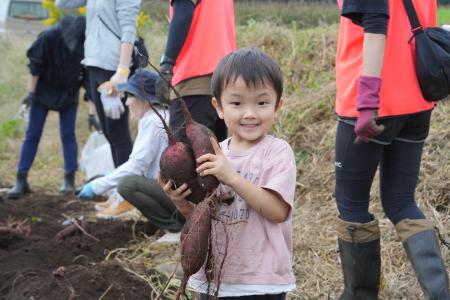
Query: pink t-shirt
{"points": [[259, 251]]}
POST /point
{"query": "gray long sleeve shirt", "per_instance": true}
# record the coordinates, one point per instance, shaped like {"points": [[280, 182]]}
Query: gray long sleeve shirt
{"points": [[102, 47]]}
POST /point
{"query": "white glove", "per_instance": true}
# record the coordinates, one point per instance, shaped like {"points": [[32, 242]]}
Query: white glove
{"points": [[112, 105], [23, 112]]}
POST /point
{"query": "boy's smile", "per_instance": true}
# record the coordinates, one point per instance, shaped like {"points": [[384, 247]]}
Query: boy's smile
{"points": [[248, 112]]}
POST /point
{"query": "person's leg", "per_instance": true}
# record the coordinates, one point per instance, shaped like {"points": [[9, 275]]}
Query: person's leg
{"points": [[149, 198], [355, 168], [399, 173], [201, 110], [116, 131], [38, 114], [120, 138], [67, 119], [358, 231]]}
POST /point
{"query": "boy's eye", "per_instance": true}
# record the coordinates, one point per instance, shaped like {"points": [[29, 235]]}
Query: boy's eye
{"points": [[261, 103], [236, 103]]}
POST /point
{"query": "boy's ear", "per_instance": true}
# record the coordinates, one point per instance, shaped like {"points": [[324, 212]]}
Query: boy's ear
{"points": [[217, 106], [279, 105]]}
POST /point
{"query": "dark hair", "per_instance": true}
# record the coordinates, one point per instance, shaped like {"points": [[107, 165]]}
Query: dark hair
{"points": [[253, 65]]}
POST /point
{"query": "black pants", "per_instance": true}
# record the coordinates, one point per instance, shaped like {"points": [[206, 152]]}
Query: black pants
{"points": [[202, 112], [117, 131], [149, 198], [281, 296], [398, 155]]}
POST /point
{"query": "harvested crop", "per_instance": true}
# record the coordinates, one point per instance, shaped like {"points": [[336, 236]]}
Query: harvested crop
{"points": [[199, 136]]}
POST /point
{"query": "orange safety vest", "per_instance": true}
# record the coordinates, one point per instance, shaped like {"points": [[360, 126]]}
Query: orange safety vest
{"points": [[400, 92], [212, 35]]}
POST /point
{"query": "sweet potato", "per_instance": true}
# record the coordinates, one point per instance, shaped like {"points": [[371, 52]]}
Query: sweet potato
{"points": [[177, 164], [195, 242], [199, 137]]}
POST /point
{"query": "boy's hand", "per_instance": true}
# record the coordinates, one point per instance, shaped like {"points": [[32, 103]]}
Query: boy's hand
{"points": [[178, 196], [216, 165]]}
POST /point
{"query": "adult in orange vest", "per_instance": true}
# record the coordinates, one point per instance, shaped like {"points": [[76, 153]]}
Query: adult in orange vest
{"points": [[383, 121], [200, 34]]}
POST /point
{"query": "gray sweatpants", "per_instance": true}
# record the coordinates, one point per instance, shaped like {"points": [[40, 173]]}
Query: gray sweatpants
{"points": [[149, 198]]}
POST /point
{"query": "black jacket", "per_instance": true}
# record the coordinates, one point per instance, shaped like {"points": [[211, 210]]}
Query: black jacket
{"points": [[56, 57]]}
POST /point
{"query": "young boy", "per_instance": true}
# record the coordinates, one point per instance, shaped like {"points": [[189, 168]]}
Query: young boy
{"points": [[259, 170], [135, 179]]}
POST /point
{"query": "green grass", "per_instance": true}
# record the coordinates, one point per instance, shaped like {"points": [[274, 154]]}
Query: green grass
{"points": [[301, 14], [443, 15]]}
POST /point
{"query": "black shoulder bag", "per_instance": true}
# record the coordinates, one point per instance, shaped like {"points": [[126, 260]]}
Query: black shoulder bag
{"points": [[432, 57], [139, 50]]}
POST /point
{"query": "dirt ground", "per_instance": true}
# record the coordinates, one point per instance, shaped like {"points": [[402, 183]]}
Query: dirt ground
{"points": [[36, 265]]}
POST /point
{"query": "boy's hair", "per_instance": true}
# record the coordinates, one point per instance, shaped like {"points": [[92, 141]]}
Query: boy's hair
{"points": [[253, 65]]}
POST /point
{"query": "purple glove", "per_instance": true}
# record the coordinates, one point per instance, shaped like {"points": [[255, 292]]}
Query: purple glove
{"points": [[367, 103]]}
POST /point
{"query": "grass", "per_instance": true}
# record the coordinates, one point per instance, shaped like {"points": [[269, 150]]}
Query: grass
{"points": [[443, 16], [301, 14], [307, 122]]}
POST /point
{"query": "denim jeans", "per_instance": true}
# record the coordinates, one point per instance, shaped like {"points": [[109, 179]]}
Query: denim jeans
{"points": [[38, 115]]}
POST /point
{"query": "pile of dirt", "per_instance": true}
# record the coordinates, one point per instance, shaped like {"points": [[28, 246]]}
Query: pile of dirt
{"points": [[36, 265]]}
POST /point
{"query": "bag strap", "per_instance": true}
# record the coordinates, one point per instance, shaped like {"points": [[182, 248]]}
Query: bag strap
{"points": [[412, 16], [109, 28]]}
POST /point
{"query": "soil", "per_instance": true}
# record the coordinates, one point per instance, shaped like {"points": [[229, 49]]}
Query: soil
{"points": [[35, 265]]}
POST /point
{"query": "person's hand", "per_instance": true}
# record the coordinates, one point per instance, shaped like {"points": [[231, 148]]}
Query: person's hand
{"points": [[25, 106], [178, 196], [112, 105], [366, 127], [367, 103], [121, 76], [162, 88], [29, 98], [216, 165], [92, 123], [86, 192]]}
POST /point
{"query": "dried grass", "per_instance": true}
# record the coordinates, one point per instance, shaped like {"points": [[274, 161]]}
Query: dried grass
{"points": [[308, 123]]}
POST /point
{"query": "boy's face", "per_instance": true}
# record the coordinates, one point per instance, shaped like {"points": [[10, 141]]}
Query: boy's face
{"points": [[248, 112], [137, 106]]}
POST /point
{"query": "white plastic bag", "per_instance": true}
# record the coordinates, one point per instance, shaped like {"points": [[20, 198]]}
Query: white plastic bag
{"points": [[96, 157]]}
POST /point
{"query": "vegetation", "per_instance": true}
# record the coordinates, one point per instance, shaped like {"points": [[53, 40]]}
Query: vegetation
{"points": [[306, 54]]}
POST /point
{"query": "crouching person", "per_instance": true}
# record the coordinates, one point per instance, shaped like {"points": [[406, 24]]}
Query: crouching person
{"points": [[135, 180], [55, 80]]}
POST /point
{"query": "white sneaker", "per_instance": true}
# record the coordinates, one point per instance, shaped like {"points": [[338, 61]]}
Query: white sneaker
{"points": [[169, 237]]}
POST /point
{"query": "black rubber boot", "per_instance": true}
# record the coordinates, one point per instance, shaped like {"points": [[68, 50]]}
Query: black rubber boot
{"points": [[68, 186], [20, 188], [359, 249], [424, 253]]}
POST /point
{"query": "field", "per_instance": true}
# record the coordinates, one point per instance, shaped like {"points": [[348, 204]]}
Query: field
{"points": [[305, 49]]}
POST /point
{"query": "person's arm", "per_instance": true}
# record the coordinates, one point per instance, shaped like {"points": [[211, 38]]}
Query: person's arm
{"points": [[266, 202], [373, 16], [183, 11], [32, 83], [147, 144], [127, 13], [68, 4]]}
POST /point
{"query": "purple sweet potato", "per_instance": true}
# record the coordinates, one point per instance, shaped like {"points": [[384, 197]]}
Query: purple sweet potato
{"points": [[177, 163], [195, 242], [199, 137]]}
